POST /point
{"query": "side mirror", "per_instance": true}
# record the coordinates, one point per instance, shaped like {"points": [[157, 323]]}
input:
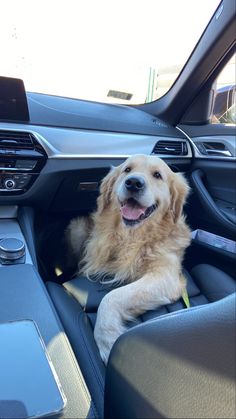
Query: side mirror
{"points": [[224, 106], [231, 114]]}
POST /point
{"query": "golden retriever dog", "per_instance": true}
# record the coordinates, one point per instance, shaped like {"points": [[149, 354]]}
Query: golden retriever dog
{"points": [[137, 236]]}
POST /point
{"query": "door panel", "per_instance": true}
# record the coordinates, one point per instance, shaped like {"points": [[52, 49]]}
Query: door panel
{"points": [[212, 203], [213, 177], [213, 183]]}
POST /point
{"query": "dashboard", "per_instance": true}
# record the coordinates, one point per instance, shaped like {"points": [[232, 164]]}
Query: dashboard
{"points": [[44, 165], [78, 143], [56, 168]]}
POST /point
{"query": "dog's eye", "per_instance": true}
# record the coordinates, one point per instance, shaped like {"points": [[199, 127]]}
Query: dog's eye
{"points": [[157, 175], [127, 170]]}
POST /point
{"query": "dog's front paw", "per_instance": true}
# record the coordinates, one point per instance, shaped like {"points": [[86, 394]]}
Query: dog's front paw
{"points": [[108, 328], [104, 344]]}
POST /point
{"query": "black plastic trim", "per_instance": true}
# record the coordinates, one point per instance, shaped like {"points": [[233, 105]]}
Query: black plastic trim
{"points": [[210, 206], [43, 191], [25, 216], [208, 129]]}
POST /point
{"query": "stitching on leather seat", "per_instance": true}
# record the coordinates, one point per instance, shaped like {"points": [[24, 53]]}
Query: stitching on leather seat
{"points": [[84, 388], [90, 353], [72, 356]]}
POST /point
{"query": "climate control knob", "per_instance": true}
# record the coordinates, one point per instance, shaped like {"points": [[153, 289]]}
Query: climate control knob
{"points": [[9, 184]]}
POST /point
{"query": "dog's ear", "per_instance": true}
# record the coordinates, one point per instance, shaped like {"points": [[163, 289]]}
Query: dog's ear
{"points": [[179, 190], [106, 187]]}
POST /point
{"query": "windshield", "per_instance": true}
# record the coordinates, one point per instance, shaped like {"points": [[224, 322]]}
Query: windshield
{"points": [[117, 51]]}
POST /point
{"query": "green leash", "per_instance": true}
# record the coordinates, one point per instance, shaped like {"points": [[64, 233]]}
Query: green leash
{"points": [[185, 298]]}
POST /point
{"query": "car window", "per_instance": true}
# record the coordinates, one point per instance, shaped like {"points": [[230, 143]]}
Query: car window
{"points": [[103, 50], [224, 108]]}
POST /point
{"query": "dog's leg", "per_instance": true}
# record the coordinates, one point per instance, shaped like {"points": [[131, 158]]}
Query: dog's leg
{"points": [[75, 235], [125, 303]]}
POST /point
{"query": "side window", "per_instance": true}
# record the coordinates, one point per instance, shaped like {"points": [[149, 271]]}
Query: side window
{"points": [[224, 108]]}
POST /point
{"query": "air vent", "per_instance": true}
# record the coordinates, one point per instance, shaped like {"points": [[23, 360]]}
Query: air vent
{"points": [[20, 143], [16, 140], [175, 148]]}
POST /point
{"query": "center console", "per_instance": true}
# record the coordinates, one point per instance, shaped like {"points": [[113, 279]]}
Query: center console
{"points": [[24, 297]]}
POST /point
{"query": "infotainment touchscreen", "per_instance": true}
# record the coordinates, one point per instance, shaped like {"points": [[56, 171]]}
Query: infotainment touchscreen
{"points": [[13, 100], [29, 386]]}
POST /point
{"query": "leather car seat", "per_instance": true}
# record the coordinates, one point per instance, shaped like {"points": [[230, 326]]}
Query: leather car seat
{"points": [[204, 330]]}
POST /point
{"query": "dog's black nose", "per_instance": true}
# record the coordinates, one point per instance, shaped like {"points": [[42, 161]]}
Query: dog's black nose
{"points": [[134, 184]]}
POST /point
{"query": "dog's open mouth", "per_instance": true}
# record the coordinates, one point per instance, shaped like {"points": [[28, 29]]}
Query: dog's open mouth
{"points": [[133, 213]]}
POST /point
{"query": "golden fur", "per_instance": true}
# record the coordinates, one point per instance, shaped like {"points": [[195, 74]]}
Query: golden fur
{"points": [[146, 257]]}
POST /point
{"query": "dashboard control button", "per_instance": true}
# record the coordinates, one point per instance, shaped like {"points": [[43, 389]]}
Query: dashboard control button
{"points": [[11, 251], [9, 184]]}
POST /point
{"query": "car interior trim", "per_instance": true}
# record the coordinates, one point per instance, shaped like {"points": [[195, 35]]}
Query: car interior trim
{"points": [[8, 211], [79, 143], [222, 139]]}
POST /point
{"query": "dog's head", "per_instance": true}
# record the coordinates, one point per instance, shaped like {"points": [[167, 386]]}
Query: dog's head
{"points": [[141, 187]]}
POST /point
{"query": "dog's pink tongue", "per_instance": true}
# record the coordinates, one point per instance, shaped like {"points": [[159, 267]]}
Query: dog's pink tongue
{"points": [[131, 213]]}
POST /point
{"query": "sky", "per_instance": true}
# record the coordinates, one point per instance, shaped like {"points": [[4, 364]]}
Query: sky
{"points": [[83, 48]]}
